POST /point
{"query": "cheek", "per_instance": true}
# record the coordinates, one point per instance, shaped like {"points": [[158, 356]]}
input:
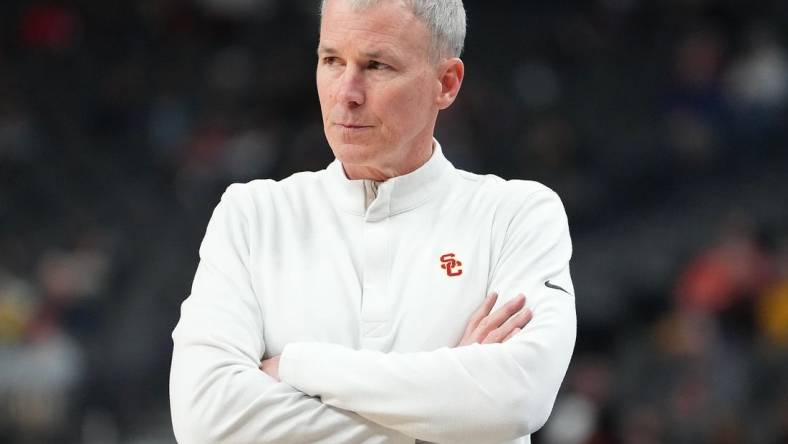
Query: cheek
{"points": [[325, 94], [409, 105], [325, 105]]}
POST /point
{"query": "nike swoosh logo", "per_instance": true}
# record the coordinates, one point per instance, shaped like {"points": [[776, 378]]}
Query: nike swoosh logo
{"points": [[548, 284]]}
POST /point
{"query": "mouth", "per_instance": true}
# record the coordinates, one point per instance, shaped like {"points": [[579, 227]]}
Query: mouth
{"points": [[352, 126]]}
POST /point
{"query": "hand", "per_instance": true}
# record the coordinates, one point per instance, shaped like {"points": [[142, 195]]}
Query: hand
{"points": [[270, 366], [486, 328]]}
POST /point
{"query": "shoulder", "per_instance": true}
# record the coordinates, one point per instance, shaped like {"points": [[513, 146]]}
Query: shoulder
{"points": [[509, 195], [520, 209], [248, 209], [251, 197]]}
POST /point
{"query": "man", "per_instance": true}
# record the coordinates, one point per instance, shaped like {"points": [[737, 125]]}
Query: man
{"points": [[361, 287]]}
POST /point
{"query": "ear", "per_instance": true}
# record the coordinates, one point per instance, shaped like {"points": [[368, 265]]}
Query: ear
{"points": [[451, 72]]}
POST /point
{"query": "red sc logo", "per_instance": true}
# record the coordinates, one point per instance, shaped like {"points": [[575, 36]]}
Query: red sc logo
{"points": [[451, 265]]}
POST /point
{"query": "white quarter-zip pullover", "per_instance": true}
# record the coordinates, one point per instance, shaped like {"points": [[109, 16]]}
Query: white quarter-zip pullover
{"points": [[366, 302]]}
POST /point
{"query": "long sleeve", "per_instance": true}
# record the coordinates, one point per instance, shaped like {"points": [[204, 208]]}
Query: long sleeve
{"points": [[217, 392], [480, 393]]}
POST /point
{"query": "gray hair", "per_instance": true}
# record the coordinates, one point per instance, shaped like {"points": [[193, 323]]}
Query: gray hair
{"points": [[445, 20]]}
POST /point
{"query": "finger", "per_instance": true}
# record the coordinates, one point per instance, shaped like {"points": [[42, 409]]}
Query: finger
{"points": [[493, 321], [468, 336], [511, 335], [517, 321], [481, 312]]}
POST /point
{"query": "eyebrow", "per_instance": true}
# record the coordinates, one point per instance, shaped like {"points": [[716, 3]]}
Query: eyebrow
{"points": [[375, 54], [368, 54], [325, 50]]}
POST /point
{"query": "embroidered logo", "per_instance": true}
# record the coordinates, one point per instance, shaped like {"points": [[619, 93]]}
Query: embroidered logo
{"points": [[452, 266], [549, 284]]}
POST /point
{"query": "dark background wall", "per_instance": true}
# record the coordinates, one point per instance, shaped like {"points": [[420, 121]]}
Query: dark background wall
{"points": [[662, 124]]}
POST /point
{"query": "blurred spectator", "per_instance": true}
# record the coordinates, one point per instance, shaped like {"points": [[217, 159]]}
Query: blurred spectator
{"points": [[772, 305], [758, 78], [728, 274], [18, 306], [756, 85], [51, 26], [41, 367], [695, 111], [579, 415], [572, 421]]}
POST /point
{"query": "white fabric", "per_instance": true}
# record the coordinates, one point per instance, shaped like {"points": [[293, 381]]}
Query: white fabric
{"points": [[365, 317]]}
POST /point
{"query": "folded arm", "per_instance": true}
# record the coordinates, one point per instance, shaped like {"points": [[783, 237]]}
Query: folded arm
{"points": [[217, 392], [480, 392]]}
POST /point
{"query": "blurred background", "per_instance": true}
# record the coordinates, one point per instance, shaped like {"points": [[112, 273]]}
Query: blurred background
{"points": [[662, 124]]}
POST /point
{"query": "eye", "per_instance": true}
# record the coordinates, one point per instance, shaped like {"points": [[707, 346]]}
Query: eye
{"points": [[330, 60], [375, 65]]}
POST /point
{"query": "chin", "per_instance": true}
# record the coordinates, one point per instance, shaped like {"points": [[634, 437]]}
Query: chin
{"points": [[353, 153]]}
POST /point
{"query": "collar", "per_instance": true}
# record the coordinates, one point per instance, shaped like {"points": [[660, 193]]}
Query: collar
{"points": [[394, 196]]}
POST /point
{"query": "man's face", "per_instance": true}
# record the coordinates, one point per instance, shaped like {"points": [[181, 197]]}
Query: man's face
{"points": [[377, 87]]}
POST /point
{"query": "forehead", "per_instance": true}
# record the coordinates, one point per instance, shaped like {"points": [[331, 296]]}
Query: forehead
{"points": [[387, 26]]}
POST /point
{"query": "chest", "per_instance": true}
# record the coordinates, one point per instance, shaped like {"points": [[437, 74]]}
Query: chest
{"points": [[404, 283]]}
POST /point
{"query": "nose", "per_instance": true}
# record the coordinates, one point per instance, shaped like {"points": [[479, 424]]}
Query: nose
{"points": [[351, 88]]}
